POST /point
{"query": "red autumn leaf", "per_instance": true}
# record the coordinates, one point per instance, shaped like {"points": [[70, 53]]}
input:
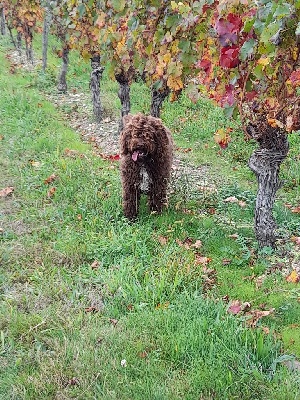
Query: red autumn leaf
{"points": [[221, 136], [111, 157], [295, 78], [6, 191], [236, 306], [227, 29], [229, 57], [50, 179]]}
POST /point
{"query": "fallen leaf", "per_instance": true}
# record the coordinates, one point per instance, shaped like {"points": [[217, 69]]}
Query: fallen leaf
{"points": [[294, 277], [162, 306], [266, 330], [234, 236], [163, 240], [256, 315], [201, 260], [35, 164], [111, 157], [226, 261], [295, 210], [6, 191], [209, 278], [231, 199], [143, 354], [95, 264], [197, 244], [73, 382], [79, 217], [91, 309], [296, 239], [236, 306], [1, 137], [51, 192], [50, 179], [113, 321], [188, 243]]}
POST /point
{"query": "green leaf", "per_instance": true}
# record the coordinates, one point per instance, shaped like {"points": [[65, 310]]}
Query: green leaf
{"points": [[283, 10], [258, 71], [118, 5], [247, 49], [81, 10], [230, 112]]}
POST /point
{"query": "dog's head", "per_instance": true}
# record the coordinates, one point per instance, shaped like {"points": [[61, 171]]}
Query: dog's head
{"points": [[137, 138]]}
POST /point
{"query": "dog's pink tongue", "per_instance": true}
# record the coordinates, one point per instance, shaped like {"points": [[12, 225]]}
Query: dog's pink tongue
{"points": [[135, 155]]}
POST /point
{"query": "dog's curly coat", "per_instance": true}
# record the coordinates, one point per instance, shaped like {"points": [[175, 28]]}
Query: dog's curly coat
{"points": [[146, 147]]}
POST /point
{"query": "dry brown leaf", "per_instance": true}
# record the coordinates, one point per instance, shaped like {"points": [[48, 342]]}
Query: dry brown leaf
{"points": [[296, 239], [51, 192], [6, 191], [35, 164], [50, 179], [91, 309], [201, 260], [95, 264], [163, 240], [256, 315]]}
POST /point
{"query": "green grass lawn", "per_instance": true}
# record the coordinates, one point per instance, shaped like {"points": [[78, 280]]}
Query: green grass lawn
{"points": [[93, 307]]}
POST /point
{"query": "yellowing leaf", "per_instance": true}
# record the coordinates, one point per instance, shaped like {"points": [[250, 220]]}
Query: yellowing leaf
{"points": [[294, 277], [264, 61], [175, 83], [275, 123]]}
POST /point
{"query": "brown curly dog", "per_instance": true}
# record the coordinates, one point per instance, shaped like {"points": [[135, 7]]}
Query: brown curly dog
{"points": [[146, 160]]}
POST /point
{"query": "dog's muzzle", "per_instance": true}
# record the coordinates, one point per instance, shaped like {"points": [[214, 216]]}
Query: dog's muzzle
{"points": [[138, 155]]}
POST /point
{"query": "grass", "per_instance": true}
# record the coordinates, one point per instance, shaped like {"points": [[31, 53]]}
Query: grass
{"points": [[68, 323]]}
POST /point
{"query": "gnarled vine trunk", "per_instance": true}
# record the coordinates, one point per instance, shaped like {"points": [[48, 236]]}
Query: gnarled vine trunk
{"points": [[265, 163], [62, 79], [96, 76], [157, 98], [46, 29], [2, 20], [124, 95]]}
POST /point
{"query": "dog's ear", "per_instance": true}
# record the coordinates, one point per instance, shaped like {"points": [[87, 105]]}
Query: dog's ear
{"points": [[124, 143]]}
